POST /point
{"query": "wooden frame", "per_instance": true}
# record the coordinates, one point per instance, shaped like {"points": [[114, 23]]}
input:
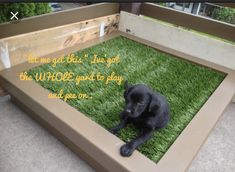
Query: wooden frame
{"points": [[50, 20], [89, 140], [10, 31], [199, 23], [73, 128], [46, 41], [180, 39]]}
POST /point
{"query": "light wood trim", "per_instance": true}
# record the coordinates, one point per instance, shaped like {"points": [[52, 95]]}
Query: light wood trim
{"points": [[176, 38], [46, 41], [55, 19], [198, 23]]}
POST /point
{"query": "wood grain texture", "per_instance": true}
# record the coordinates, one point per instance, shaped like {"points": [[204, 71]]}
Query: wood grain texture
{"points": [[191, 21], [40, 43], [49, 20], [179, 39]]}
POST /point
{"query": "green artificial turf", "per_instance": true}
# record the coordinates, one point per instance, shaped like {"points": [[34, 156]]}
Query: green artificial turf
{"points": [[186, 85]]}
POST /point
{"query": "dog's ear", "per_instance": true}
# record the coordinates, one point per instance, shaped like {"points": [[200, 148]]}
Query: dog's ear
{"points": [[153, 105], [126, 85], [128, 88]]}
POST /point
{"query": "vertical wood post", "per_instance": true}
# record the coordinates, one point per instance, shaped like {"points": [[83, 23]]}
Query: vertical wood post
{"points": [[233, 100], [2, 92], [131, 7]]}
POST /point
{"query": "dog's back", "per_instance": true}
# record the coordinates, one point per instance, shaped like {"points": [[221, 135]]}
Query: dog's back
{"points": [[162, 113]]}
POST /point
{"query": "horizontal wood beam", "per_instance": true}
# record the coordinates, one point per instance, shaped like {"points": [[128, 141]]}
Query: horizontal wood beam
{"points": [[231, 5], [198, 23], [179, 39], [46, 41], [46, 21]]}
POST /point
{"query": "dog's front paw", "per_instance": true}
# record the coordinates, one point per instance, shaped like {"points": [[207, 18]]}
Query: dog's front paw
{"points": [[126, 150]]}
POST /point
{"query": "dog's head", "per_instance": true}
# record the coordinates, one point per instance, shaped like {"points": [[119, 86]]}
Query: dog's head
{"points": [[138, 99]]}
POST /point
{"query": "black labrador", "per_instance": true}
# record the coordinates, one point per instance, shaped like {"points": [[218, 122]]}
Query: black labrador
{"points": [[147, 110]]}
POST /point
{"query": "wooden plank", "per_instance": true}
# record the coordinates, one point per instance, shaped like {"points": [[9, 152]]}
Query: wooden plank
{"points": [[179, 39], [231, 5], [80, 133], [46, 41], [50, 20], [131, 7], [191, 21]]}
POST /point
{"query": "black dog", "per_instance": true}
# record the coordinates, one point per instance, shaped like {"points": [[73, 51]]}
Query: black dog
{"points": [[147, 110]]}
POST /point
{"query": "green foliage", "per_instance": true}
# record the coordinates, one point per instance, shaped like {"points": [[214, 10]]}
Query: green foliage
{"points": [[24, 9], [161, 4], [42, 8], [224, 14], [186, 85]]}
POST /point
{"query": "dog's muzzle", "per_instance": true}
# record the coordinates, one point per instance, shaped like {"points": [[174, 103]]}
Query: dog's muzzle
{"points": [[128, 111]]}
